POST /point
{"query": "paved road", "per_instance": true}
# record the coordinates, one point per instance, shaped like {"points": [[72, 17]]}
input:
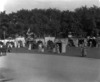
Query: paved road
{"points": [[48, 68]]}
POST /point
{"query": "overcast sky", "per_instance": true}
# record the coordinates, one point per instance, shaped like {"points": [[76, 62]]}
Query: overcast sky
{"points": [[14, 5]]}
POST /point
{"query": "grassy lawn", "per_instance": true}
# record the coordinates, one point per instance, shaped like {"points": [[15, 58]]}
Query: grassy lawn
{"points": [[70, 51]]}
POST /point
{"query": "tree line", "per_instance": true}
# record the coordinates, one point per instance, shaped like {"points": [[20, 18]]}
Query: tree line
{"points": [[82, 22]]}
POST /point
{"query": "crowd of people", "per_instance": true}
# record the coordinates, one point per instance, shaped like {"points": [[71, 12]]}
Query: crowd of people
{"points": [[83, 43]]}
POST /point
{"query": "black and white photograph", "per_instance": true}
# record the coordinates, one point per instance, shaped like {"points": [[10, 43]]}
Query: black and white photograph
{"points": [[49, 40]]}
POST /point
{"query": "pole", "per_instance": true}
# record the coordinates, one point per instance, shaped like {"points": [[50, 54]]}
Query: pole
{"points": [[4, 34]]}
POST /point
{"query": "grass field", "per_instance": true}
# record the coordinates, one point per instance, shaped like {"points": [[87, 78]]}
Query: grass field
{"points": [[70, 51]]}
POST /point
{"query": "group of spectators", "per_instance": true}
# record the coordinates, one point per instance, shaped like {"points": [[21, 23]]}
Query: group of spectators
{"points": [[88, 42], [5, 48]]}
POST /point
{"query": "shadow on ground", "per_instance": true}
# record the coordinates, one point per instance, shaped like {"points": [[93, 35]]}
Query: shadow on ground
{"points": [[7, 74]]}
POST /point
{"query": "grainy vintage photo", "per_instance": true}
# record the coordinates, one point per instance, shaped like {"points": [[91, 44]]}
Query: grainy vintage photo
{"points": [[49, 40]]}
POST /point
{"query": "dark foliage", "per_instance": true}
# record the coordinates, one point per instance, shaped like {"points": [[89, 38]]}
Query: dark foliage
{"points": [[83, 21]]}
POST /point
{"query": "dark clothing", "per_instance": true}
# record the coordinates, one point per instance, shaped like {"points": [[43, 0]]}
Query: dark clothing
{"points": [[3, 50], [83, 50]]}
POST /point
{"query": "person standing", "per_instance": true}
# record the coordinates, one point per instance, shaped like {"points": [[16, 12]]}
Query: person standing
{"points": [[40, 47], [1, 46], [9, 47], [58, 48], [83, 50]]}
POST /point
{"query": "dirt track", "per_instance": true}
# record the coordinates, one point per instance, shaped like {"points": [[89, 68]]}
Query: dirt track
{"points": [[49, 68]]}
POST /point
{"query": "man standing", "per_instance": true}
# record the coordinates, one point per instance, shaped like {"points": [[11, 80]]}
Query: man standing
{"points": [[83, 50]]}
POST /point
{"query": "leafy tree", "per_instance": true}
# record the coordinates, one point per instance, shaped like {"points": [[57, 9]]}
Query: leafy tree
{"points": [[43, 22]]}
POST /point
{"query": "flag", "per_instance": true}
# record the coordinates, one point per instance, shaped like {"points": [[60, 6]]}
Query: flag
{"points": [[28, 30], [4, 33]]}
